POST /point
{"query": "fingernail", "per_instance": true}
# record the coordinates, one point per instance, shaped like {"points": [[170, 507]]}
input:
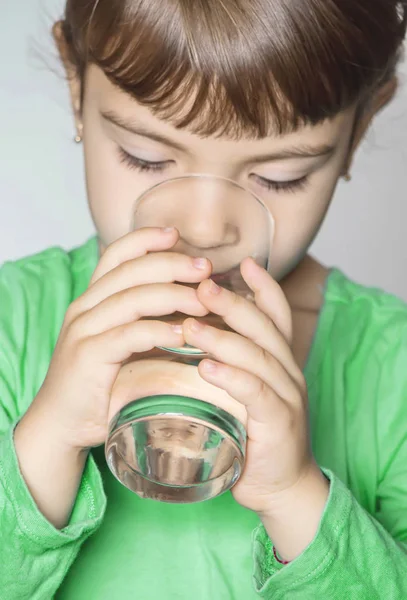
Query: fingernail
{"points": [[213, 288], [176, 328], [168, 229], [200, 263], [196, 326], [209, 366]]}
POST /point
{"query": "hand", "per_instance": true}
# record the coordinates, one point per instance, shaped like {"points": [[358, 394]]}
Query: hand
{"points": [[102, 329], [256, 367]]}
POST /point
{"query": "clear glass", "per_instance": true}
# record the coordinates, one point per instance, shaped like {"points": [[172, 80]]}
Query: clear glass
{"points": [[176, 449], [168, 445]]}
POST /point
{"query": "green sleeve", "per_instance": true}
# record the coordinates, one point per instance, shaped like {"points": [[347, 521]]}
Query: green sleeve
{"points": [[38, 555], [357, 555], [352, 557], [34, 555]]}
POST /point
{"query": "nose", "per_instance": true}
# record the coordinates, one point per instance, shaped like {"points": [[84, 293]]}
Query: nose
{"points": [[208, 231], [209, 222]]}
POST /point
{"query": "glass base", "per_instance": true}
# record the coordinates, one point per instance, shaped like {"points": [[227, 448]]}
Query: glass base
{"points": [[186, 350], [175, 449]]}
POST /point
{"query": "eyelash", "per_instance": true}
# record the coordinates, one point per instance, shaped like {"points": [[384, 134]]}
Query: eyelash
{"points": [[139, 164], [145, 166], [283, 186]]}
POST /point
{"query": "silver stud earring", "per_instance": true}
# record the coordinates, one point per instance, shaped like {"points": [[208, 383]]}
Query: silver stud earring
{"points": [[347, 177]]}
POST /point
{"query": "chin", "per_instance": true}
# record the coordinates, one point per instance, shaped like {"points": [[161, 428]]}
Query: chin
{"points": [[281, 270]]}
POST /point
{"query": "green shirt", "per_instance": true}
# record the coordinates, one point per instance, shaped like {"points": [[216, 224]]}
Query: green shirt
{"points": [[128, 548]]}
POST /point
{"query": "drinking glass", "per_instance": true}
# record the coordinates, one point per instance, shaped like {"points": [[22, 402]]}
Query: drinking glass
{"points": [[178, 440]]}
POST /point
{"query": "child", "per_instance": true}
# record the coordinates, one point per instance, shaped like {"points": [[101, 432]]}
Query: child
{"points": [[275, 95]]}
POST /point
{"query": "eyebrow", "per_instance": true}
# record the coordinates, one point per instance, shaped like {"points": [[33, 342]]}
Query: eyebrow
{"points": [[141, 130], [301, 151]]}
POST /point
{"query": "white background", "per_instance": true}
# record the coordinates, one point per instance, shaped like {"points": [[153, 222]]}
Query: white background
{"points": [[41, 174]]}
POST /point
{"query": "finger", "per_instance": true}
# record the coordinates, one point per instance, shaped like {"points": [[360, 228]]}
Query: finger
{"points": [[135, 244], [120, 343], [262, 403], [269, 297], [240, 352], [161, 267], [250, 321], [135, 303]]}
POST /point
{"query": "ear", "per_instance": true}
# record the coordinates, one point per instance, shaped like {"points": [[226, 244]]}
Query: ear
{"points": [[379, 101], [72, 76]]}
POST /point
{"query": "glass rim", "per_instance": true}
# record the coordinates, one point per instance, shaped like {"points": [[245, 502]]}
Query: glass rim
{"points": [[208, 176]]}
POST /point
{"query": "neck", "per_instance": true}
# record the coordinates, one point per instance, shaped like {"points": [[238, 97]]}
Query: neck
{"points": [[303, 289], [302, 286]]}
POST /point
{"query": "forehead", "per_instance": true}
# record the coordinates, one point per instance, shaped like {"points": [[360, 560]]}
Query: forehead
{"points": [[103, 96]]}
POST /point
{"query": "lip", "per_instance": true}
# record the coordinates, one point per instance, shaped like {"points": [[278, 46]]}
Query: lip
{"points": [[227, 276], [220, 278]]}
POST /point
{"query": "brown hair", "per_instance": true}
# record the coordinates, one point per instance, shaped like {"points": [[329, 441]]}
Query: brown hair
{"points": [[239, 66]]}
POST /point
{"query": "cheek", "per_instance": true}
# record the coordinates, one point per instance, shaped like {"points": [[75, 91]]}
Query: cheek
{"points": [[298, 221], [109, 195], [112, 189]]}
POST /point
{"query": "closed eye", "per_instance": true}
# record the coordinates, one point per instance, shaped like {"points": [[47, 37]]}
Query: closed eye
{"points": [[283, 186], [133, 162]]}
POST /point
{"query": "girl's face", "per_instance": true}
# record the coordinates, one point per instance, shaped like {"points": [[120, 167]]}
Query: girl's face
{"points": [[128, 149]]}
